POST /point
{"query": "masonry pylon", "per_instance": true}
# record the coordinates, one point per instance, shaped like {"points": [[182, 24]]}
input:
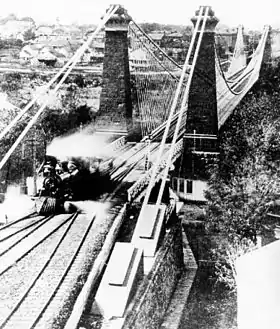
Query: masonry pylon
{"points": [[201, 134], [267, 56], [115, 111], [202, 117]]}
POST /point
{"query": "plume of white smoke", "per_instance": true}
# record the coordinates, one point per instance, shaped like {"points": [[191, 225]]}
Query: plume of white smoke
{"points": [[80, 145], [91, 208], [15, 205]]}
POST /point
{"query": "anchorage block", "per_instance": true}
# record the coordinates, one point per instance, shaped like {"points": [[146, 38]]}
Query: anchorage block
{"points": [[123, 272], [148, 228]]}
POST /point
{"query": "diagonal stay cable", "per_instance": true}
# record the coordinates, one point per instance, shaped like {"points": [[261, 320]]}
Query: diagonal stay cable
{"points": [[47, 86], [36, 116], [173, 107], [183, 107]]}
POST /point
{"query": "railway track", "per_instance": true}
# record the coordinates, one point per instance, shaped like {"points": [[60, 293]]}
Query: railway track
{"points": [[41, 291], [21, 262], [17, 222], [56, 252], [65, 250], [17, 235], [18, 250]]}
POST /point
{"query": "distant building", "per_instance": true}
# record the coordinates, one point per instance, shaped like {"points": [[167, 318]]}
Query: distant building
{"points": [[275, 37], [172, 40], [138, 58], [40, 53], [157, 37], [43, 32], [28, 52], [172, 43], [226, 39], [61, 32], [15, 28], [96, 48]]}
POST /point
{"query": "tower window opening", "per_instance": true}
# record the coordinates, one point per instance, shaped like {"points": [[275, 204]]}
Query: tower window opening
{"points": [[189, 187], [182, 185]]}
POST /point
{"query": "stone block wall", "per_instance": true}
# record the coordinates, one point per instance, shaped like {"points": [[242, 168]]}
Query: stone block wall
{"points": [[201, 133], [202, 104], [194, 165], [150, 303], [115, 110]]}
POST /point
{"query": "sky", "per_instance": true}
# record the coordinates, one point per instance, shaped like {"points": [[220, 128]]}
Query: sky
{"points": [[253, 14]]}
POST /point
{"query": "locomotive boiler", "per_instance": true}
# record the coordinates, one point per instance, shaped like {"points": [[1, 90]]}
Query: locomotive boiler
{"points": [[74, 179]]}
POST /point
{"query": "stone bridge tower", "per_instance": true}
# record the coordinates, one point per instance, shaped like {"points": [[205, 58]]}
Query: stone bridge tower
{"points": [[267, 56], [201, 134], [115, 111], [202, 118]]}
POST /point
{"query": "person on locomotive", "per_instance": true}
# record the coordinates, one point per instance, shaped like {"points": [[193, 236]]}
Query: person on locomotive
{"points": [[52, 182], [74, 182]]}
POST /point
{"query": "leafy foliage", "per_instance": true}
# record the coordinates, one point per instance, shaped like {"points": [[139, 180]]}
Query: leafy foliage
{"points": [[29, 35], [227, 253], [65, 114], [10, 43], [245, 183], [238, 206], [11, 82]]}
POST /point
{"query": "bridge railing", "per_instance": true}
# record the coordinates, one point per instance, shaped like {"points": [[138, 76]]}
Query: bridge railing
{"points": [[117, 144], [135, 190]]}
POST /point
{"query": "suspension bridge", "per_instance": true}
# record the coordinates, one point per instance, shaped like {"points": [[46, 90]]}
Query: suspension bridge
{"points": [[161, 112]]}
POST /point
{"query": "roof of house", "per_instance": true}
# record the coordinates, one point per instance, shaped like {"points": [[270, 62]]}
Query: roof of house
{"points": [[156, 36], [173, 35], [31, 48], [44, 29], [57, 53], [97, 44], [55, 43], [138, 55]]}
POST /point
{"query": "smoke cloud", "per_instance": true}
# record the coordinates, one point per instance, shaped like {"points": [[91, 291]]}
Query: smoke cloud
{"points": [[80, 145], [15, 205]]}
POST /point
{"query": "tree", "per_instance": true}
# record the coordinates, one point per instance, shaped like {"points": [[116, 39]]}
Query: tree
{"points": [[29, 35], [239, 206], [66, 113], [245, 183], [237, 210], [150, 27]]}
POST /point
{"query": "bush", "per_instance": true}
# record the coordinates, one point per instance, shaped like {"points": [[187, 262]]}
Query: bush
{"points": [[246, 182]]}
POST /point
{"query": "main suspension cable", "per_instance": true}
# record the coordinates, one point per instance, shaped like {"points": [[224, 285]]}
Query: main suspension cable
{"points": [[182, 110], [173, 107], [76, 57], [47, 86]]}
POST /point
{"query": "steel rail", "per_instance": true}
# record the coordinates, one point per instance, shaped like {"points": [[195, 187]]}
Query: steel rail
{"points": [[66, 271], [18, 221], [36, 244], [24, 295], [21, 230]]}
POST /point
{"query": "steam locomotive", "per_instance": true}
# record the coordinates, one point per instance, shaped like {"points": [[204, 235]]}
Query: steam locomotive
{"points": [[74, 179]]}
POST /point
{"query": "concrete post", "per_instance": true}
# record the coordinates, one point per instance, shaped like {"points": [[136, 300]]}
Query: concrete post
{"points": [[115, 112]]}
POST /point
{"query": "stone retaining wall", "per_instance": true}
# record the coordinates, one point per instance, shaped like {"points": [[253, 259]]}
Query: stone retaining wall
{"points": [[151, 301]]}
